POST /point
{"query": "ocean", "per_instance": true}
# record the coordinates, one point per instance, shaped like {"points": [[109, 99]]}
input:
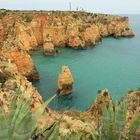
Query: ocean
{"points": [[113, 64]]}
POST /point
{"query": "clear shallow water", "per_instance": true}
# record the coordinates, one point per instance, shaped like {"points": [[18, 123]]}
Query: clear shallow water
{"points": [[113, 64]]}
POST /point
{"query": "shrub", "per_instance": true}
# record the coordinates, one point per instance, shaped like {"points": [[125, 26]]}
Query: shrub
{"points": [[75, 16], [3, 12], [28, 18]]}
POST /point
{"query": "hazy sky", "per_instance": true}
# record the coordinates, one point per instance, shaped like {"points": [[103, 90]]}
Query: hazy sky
{"points": [[102, 6]]}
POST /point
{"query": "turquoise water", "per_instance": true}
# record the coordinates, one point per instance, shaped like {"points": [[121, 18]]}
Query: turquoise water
{"points": [[113, 64]]}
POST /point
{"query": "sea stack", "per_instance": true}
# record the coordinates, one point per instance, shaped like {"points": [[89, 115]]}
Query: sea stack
{"points": [[65, 81], [49, 46]]}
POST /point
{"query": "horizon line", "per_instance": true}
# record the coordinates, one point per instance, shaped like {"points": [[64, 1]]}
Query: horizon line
{"points": [[68, 11]]}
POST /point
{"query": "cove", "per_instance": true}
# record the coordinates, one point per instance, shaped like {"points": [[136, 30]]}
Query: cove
{"points": [[113, 64]]}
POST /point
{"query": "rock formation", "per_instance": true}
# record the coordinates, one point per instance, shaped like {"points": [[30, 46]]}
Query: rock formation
{"points": [[10, 80], [23, 62], [49, 46], [65, 81]]}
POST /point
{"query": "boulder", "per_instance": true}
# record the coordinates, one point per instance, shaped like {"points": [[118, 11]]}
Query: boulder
{"points": [[65, 81]]}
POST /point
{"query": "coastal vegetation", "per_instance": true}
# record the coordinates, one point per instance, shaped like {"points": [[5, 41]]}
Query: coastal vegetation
{"points": [[28, 18], [113, 123], [20, 123]]}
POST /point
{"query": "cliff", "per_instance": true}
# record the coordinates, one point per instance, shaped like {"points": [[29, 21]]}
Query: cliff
{"points": [[24, 31]]}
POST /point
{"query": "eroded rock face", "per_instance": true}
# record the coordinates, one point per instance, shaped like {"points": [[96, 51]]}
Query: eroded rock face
{"points": [[23, 62], [65, 81], [25, 31], [95, 110], [10, 81], [48, 46], [25, 36]]}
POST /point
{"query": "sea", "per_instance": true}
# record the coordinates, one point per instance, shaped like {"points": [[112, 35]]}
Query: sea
{"points": [[113, 64]]}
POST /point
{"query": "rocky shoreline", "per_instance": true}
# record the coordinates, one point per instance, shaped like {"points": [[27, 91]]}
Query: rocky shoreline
{"points": [[24, 31]]}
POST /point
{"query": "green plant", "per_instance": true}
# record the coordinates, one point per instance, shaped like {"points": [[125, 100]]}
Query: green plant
{"points": [[75, 16], [135, 124], [113, 122], [47, 133], [3, 12], [20, 122], [28, 18], [81, 135]]}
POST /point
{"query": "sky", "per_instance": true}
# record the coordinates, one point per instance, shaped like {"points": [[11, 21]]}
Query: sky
{"points": [[98, 6]]}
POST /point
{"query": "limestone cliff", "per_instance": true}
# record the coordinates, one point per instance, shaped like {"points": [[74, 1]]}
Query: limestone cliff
{"points": [[10, 80], [25, 31]]}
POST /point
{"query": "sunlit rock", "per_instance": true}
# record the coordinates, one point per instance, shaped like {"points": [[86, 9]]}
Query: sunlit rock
{"points": [[65, 81], [49, 46]]}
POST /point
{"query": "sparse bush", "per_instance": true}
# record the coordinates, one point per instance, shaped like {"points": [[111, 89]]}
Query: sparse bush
{"points": [[75, 16], [28, 18], [3, 12]]}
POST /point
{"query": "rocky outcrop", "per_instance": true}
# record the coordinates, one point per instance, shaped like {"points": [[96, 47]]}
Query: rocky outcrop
{"points": [[133, 106], [10, 80], [132, 99], [49, 46], [23, 62], [95, 110], [114, 26], [65, 81], [83, 36]]}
